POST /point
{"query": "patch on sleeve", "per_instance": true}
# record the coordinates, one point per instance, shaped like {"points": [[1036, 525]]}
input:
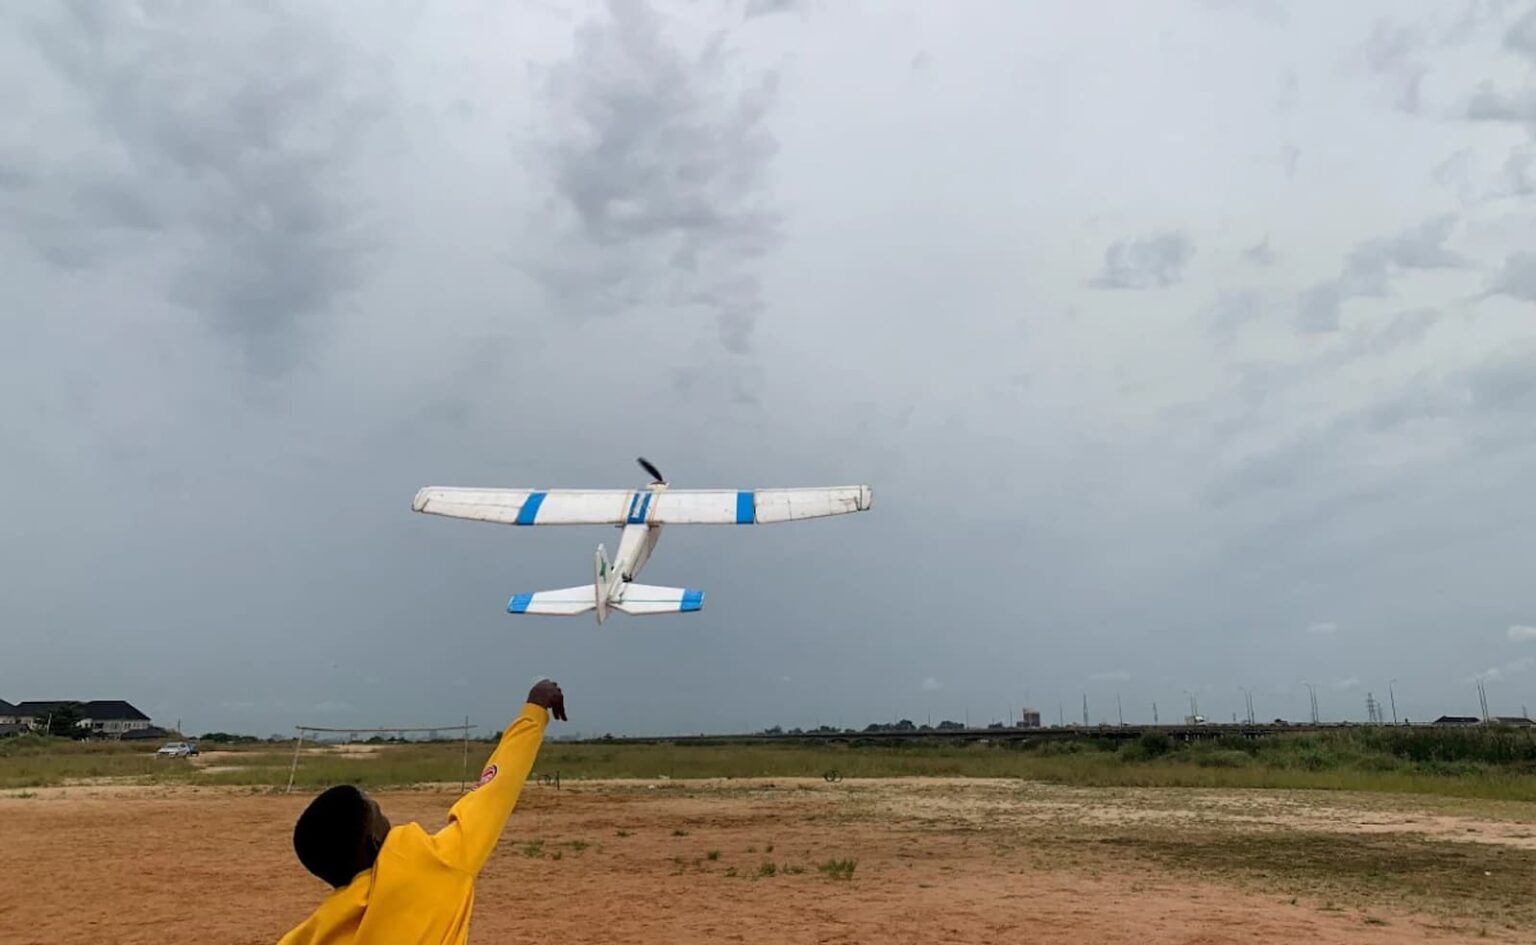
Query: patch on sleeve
{"points": [[486, 776]]}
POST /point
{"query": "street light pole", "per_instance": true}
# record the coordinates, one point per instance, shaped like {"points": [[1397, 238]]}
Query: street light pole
{"points": [[1392, 696]]}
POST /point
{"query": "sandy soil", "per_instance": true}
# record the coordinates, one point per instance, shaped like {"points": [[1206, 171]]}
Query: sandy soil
{"points": [[938, 862]]}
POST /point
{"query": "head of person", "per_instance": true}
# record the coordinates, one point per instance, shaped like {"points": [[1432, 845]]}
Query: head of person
{"points": [[339, 834]]}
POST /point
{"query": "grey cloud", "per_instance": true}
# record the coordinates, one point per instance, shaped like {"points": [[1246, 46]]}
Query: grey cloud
{"points": [[1503, 384], [1270, 10], [1370, 267], [1260, 253], [665, 175], [225, 140], [1420, 247], [1519, 181], [1234, 308], [1317, 308], [1521, 38], [1488, 103], [1401, 329], [1517, 278], [1145, 263], [757, 8], [1393, 51], [1290, 156]]}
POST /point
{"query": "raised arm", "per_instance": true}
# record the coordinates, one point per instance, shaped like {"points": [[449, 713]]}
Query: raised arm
{"points": [[475, 822]]}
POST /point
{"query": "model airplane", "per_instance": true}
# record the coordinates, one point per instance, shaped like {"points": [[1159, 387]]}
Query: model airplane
{"points": [[642, 514]]}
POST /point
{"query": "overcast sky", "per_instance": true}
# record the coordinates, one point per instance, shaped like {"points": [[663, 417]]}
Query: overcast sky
{"points": [[1187, 346]]}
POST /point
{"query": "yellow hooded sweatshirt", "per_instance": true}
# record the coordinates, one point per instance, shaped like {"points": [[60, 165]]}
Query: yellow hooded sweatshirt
{"points": [[421, 888]]}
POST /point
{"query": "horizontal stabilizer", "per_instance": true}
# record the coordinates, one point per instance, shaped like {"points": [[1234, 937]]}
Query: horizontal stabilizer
{"points": [[649, 599], [566, 602]]}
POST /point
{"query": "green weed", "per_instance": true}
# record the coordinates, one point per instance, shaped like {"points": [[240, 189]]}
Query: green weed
{"points": [[838, 869]]}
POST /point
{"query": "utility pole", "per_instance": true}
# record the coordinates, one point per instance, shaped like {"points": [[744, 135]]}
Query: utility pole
{"points": [[1393, 697], [1482, 698], [1061, 717], [1313, 690], [1248, 702], [1154, 714], [1085, 710], [1118, 711]]}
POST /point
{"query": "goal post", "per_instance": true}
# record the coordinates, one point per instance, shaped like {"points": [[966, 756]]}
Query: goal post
{"points": [[316, 730]]}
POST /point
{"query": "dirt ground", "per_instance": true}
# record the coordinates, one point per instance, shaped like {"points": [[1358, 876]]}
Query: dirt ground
{"points": [[937, 862]]}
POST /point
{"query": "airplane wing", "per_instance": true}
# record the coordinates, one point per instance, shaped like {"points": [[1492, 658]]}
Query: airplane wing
{"points": [[626, 506], [756, 506], [527, 506]]}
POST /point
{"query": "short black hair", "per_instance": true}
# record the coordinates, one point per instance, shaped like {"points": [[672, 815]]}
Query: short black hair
{"points": [[331, 835]]}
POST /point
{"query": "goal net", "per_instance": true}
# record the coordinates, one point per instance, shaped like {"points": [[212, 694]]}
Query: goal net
{"points": [[315, 732]]}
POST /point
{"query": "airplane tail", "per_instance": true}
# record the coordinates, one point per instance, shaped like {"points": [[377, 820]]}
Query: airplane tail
{"points": [[600, 583], [566, 602], [642, 599]]}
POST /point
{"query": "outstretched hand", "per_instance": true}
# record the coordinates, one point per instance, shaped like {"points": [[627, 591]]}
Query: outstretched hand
{"points": [[547, 695]]}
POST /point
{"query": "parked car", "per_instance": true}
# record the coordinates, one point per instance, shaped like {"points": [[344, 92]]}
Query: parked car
{"points": [[176, 750]]}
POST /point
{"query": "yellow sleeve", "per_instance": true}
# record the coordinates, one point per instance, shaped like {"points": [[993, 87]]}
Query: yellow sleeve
{"points": [[476, 820]]}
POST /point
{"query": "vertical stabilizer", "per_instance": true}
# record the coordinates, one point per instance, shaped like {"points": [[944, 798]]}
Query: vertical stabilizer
{"points": [[600, 569]]}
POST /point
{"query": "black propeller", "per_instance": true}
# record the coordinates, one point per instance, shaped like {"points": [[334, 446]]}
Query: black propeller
{"points": [[649, 467]]}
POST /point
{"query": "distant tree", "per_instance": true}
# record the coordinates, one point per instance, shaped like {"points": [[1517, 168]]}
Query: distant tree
{"points": [[905, 725], [948, 726], [773, 730], [228, 738], [64, 722]]}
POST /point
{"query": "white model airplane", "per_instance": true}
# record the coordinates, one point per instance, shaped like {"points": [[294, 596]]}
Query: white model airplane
{"points": [[641, 513]]}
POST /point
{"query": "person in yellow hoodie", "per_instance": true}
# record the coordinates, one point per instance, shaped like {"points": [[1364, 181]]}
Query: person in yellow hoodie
{"points": [[402, 885]]}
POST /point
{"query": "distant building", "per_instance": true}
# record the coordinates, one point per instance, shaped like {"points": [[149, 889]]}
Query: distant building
{"points": [[1519, 721], [1029, 718], [1457, 720], [9, 714], [106, 717]]}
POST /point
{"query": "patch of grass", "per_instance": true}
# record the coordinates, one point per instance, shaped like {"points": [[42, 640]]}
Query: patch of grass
{"points": [[730, 872], [837, 869], [1406, 871], [622, 833], [534, 848], [679, 832], [1490, 763], [793, 870], [712, 855], [767, 868], [768, 848], [557, 855], [579, 845]]}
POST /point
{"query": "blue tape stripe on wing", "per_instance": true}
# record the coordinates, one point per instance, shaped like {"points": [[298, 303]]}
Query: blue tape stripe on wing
{"points": [[692, 600], [530, 509], [638, 507], [746, 508], [519, 603]]}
